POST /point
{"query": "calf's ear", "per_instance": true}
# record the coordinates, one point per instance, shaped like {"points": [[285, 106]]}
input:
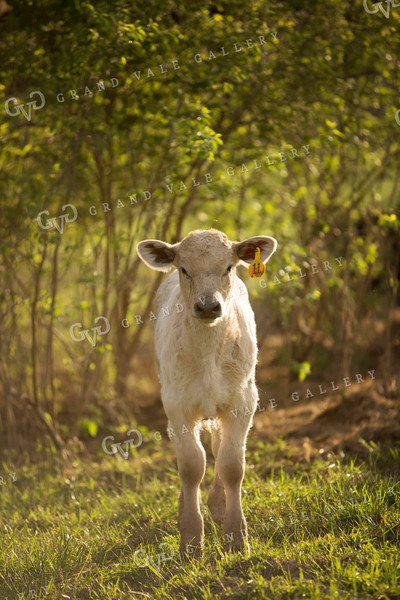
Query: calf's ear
{"points": [[157, 255], [246, 250]]}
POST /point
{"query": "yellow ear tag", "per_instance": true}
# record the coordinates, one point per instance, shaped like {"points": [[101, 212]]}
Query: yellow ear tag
{"points": [[257, 267]]}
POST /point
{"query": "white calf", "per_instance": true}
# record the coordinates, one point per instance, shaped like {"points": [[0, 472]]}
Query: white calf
{"points": [[206, 357]]}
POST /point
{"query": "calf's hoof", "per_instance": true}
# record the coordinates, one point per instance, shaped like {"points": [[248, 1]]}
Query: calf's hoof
{"points": [[237, 542], [190, 551]]}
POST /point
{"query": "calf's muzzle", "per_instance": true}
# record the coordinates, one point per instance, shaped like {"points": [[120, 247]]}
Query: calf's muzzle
{"points": [[207, 308]]}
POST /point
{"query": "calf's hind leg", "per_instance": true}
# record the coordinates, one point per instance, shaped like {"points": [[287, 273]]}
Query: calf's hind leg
{"points": [[216, 496]]}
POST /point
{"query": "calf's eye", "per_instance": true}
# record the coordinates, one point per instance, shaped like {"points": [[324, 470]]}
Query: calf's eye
{"points": [[229, 269], [185, 273]]}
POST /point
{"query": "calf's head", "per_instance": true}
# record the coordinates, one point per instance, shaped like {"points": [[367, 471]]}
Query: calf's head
{"points": [[206, 261]]}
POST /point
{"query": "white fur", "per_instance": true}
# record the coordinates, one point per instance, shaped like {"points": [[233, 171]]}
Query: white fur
{"points": [[207, 369]]}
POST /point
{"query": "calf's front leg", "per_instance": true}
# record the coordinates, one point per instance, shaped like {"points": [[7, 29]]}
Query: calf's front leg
{"points": [[230, 468], [191, 466]]}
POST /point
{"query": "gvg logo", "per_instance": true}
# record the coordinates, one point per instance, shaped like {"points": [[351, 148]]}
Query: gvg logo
{"points": [[148, 560], [85, 332], [128, 444], [20, 108], [379, 6], [65, 218], [13, 478]]}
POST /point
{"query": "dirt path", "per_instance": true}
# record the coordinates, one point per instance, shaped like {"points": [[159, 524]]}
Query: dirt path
{"points": [[339, 419]]}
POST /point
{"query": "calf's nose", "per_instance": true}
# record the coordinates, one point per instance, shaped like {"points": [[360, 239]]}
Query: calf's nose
{"points": [[209, 309]]}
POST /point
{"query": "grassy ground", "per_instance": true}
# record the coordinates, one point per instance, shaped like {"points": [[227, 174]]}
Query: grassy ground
{"points": [[328, 528]]}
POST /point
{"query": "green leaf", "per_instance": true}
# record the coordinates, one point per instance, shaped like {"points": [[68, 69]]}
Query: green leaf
{"points": [[89, 427]]}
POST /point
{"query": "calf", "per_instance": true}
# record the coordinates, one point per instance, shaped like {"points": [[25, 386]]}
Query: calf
{"points": [[206, 357]]}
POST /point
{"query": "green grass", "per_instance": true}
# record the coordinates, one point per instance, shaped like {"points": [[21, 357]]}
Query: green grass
{"points": [[324, 529]]}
